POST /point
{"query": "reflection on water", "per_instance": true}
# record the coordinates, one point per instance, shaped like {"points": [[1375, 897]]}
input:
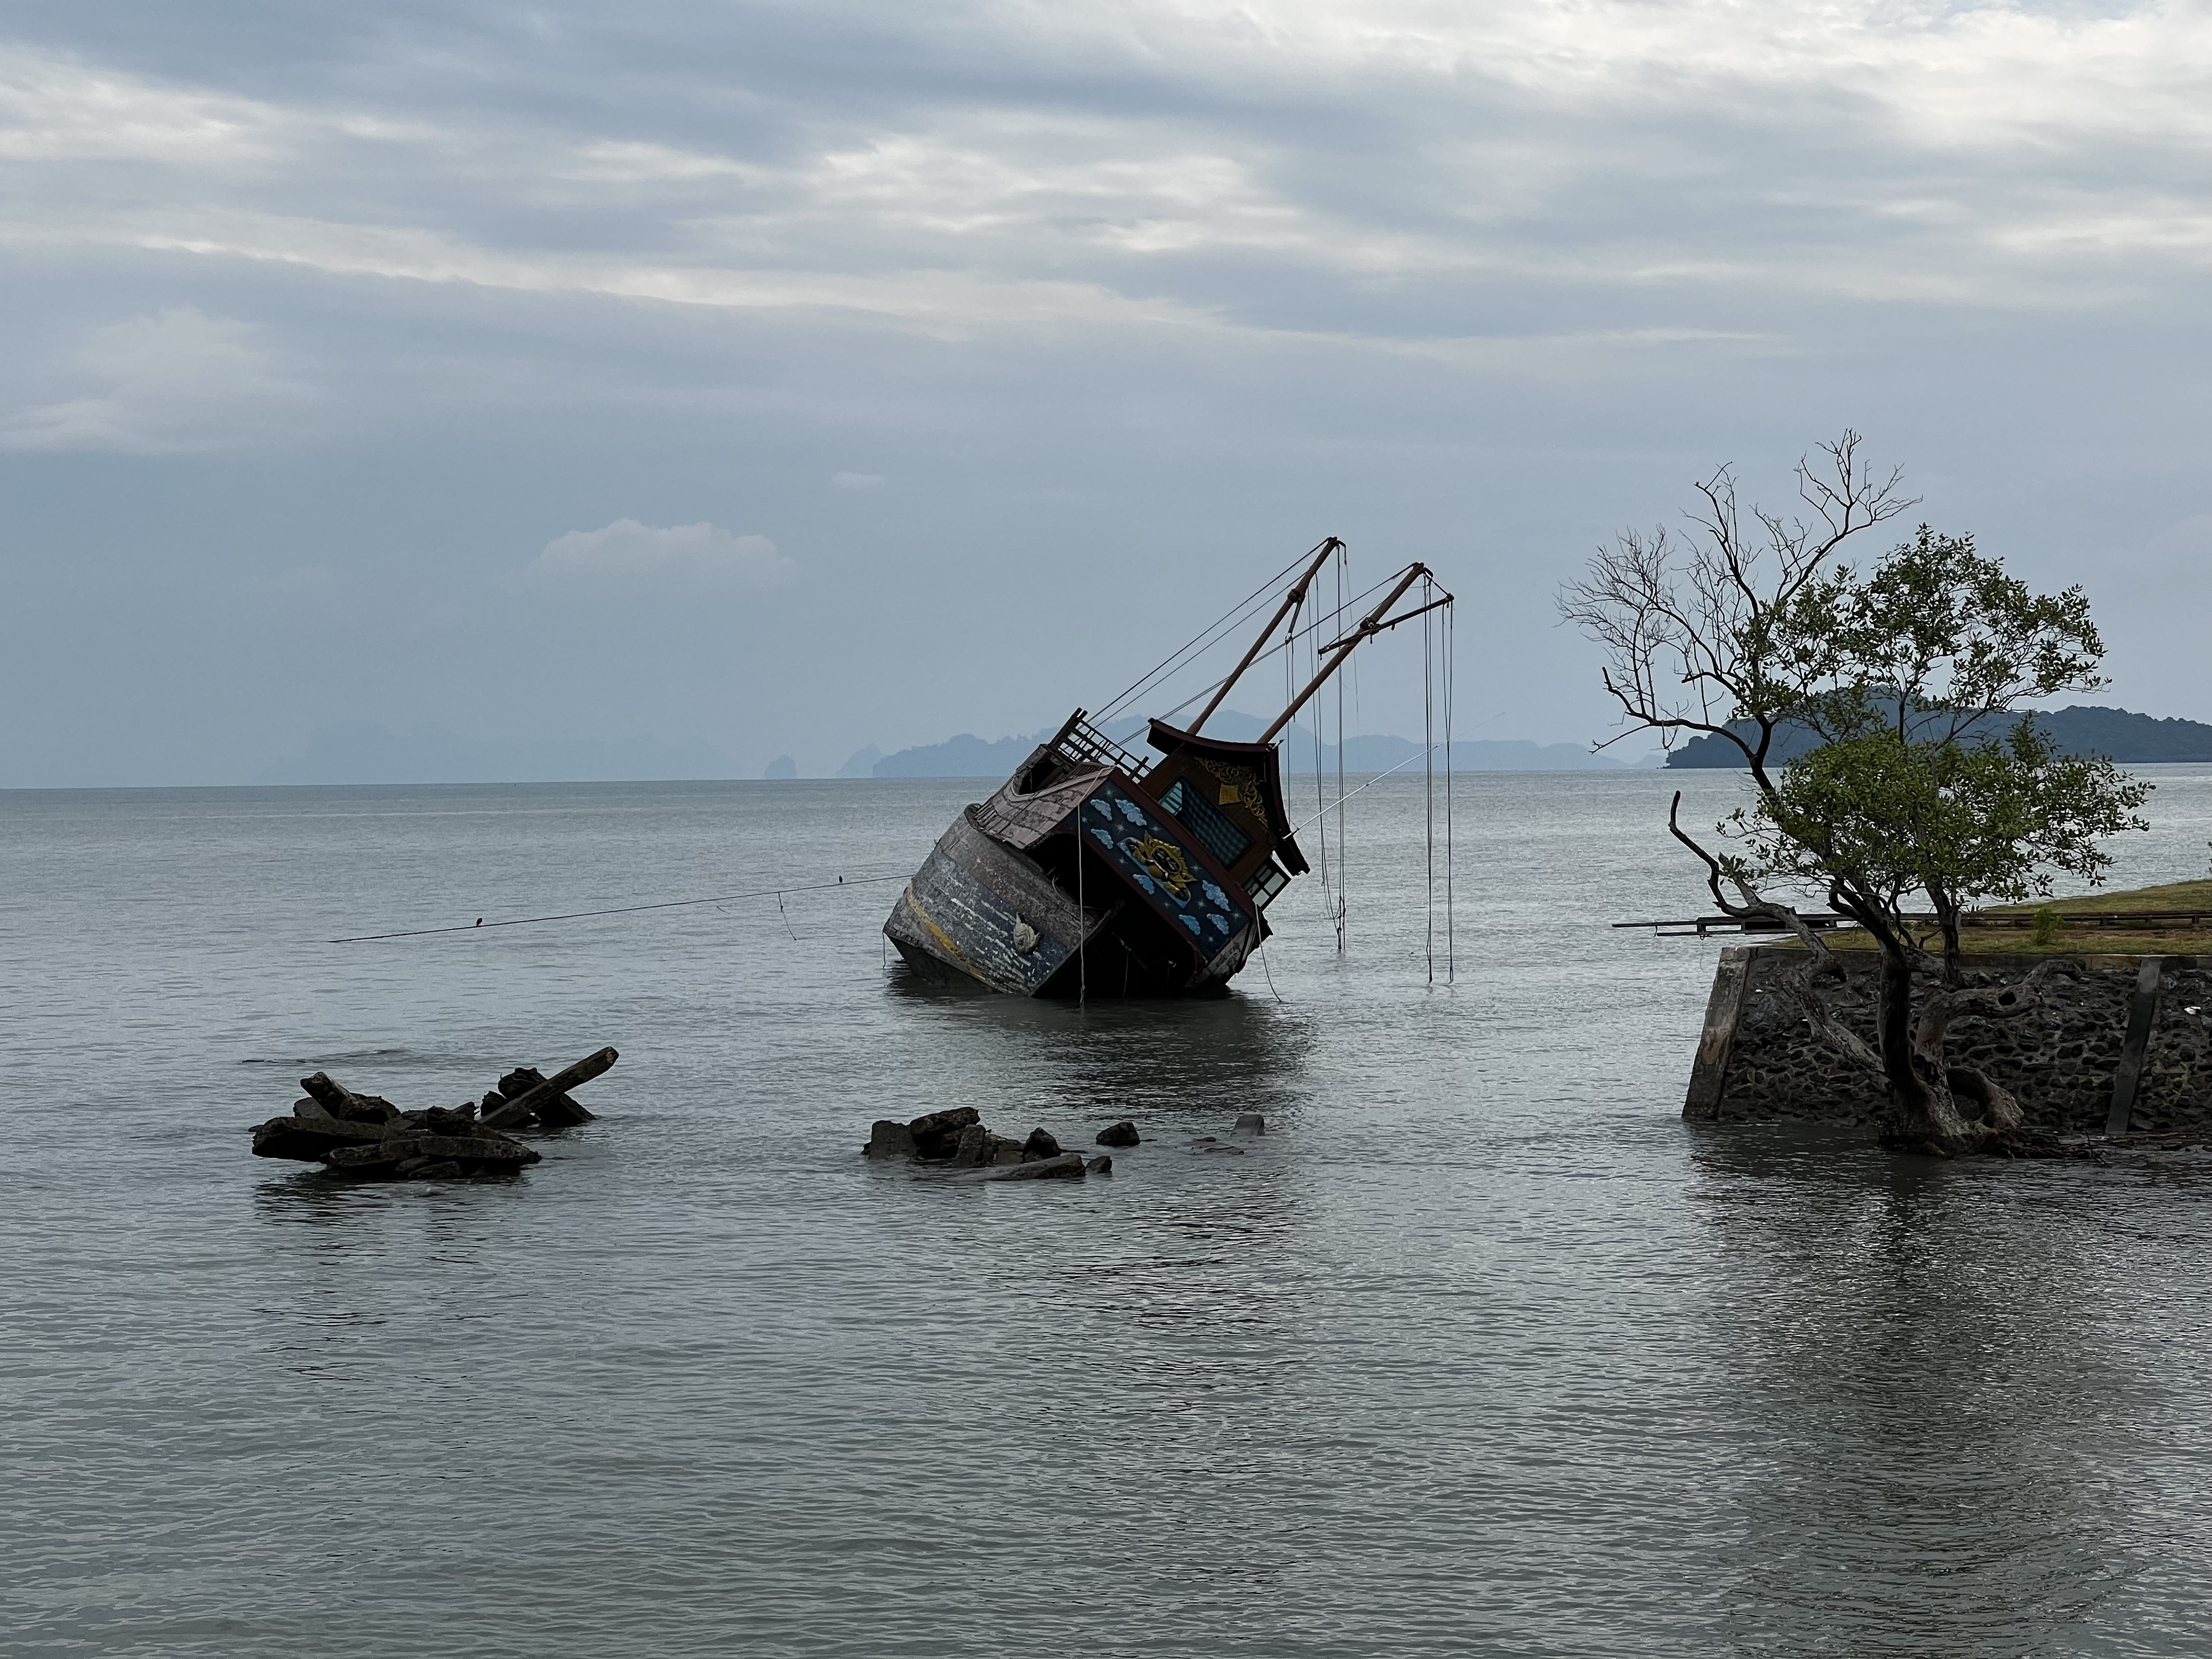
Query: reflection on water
{"points": [[1929, 1397], [1478, 1350]]}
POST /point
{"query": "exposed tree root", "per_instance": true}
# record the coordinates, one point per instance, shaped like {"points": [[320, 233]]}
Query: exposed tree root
{"points": [[2008, 1143]]}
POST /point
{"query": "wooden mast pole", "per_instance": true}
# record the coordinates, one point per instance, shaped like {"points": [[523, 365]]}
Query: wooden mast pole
{"points": [[1370, 626], [1291, 603]]}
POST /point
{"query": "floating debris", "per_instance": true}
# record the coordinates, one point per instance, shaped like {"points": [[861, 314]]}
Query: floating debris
{"points": [[366, 1138]]}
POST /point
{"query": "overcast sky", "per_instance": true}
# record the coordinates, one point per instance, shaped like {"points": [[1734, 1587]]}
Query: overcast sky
{"points": [[790, 378]]}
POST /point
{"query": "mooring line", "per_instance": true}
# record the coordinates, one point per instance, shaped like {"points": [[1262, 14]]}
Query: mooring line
{"points": [[776, 893]]}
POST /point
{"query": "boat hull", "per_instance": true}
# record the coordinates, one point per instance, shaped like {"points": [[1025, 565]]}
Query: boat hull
{"points": [[981, 910], [973, 906]]}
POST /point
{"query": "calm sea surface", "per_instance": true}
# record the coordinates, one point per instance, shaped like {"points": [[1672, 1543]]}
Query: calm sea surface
{"points": [[1480, 1350]]}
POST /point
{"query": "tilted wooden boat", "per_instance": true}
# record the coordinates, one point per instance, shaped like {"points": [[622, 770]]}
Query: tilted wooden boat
{"points": [[1093, 872]]}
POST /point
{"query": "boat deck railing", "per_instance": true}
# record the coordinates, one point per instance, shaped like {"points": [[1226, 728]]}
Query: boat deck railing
{"points": [[1086, 744]]}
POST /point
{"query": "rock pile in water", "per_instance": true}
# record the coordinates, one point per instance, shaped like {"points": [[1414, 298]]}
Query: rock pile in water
{"points": [[957, 1140], [366, 1138]]}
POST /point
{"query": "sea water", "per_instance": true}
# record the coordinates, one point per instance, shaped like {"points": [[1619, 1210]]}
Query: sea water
{"points": [[1479, 1349]]}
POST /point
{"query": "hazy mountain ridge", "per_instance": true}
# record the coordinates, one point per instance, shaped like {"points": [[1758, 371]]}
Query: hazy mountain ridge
{"points": [[364, 752], [2080, 728]]}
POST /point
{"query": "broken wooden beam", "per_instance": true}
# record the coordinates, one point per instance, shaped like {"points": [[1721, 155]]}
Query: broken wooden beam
{"points": [[309, 1138], [555, 1111], [518, 1109]]}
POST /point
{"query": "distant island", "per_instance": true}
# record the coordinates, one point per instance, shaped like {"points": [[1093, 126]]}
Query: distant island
{"points": [[2131, 738]]}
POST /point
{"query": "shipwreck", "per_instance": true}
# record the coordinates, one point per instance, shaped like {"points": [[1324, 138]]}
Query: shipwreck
{"points": [[1095, 872]]}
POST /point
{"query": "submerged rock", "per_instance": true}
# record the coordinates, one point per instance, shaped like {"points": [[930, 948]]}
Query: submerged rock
{"points": [[937, 1134], [890, 1138], [1067, 1166], [1123, 1133], [960, 1139], [1101, 1164], [1251, 1123]]}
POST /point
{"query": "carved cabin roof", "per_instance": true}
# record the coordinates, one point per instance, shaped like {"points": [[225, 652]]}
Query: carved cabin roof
{"points": [[1022, 818], [1263, 758]]}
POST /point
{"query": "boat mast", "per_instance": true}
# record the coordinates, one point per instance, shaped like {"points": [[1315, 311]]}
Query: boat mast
{"points": [[1370, 625], [1291, 603]]}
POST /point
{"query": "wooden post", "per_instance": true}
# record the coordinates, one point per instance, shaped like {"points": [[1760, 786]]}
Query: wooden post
{"points": [[2143, 1015], [1731, 983]]}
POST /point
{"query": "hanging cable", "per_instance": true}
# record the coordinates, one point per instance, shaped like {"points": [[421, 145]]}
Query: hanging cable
{"points": [[1451, 688], [1343, 844], [1429, 773], [1294, 673]]}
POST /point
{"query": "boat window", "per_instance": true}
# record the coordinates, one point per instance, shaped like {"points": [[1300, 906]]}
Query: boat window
{"points": [[1212, 827], [1264, 883]]}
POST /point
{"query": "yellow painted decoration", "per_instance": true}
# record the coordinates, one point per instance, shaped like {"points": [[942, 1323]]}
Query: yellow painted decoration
{"points": [[1163, 860], [1240, 786]]}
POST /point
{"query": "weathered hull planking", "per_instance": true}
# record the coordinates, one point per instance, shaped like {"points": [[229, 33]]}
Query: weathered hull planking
{"points": [[983, 910]]}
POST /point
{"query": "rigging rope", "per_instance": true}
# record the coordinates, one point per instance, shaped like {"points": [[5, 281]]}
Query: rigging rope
{"points": [[1343, 843], [1362, 790], [1203, 638], [1451, 686], [1213, 635], [776, 893]]}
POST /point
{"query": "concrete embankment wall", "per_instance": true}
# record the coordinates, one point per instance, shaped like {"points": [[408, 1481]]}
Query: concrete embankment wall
{"points": [[2124, 1046]]}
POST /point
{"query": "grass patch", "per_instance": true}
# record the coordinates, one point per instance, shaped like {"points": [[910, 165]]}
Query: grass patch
{"points": [[2088, 924]]}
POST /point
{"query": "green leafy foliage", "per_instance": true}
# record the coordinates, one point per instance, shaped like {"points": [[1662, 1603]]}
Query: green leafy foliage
{"points": [[1960, 818]]}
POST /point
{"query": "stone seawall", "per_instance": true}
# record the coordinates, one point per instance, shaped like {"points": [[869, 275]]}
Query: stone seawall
{"points": [[2124, 1046]]}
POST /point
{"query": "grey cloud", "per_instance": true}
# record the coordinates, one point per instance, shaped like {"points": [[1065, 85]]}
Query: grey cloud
{"points": [[1128, 300], [177, 382]]}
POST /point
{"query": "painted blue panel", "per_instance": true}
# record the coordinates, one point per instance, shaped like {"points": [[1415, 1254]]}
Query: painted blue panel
{"points": [[1158, 857]]}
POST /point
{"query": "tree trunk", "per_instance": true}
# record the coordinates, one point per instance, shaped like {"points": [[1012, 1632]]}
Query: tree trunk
{"points": [[1921, 1110]]}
